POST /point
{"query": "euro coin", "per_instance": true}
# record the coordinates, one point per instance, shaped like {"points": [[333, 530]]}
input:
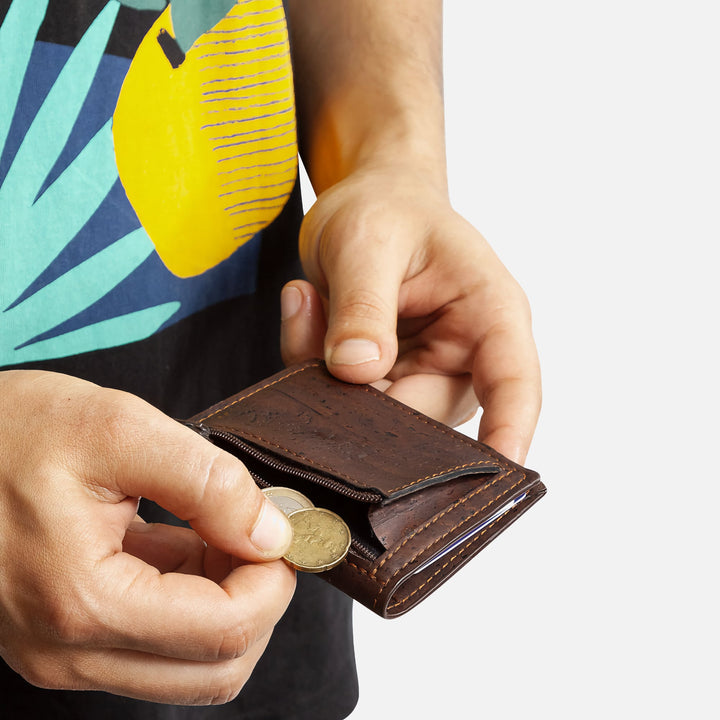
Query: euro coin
{"points": [[287, 499], [321, 540]]}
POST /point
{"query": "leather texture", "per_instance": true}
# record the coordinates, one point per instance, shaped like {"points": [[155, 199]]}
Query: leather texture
{"points": [[420, 498]]}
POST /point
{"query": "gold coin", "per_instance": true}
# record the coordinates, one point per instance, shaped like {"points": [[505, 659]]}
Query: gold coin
{"points": [[321, 540], [287, 499]]}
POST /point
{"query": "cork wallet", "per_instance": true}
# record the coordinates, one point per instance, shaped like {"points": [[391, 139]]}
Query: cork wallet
{"points": [[419, 498]]}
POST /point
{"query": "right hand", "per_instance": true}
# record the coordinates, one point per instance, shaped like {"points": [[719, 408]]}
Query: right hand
{"points": [[91, 598], [408, 295]]}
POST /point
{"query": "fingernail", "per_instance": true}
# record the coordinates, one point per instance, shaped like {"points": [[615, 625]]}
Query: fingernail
{"points": [[290, 302], [354, 351], [272, 534]]}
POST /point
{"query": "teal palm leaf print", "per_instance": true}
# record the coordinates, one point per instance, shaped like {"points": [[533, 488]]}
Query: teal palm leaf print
{"points": [[36, 224]]}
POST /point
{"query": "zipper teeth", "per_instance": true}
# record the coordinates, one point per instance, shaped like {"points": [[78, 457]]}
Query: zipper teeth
{"points": [[357, 545], [361, 496], [360, 548]]}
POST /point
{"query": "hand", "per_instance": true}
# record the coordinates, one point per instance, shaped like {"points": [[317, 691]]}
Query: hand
{"points": [[91, 597], [407, 293]]}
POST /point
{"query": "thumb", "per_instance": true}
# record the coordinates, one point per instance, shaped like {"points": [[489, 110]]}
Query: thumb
{"points": [[363, 286], [172, 465]]}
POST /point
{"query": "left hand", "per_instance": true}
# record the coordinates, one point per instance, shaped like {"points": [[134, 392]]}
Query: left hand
{"points": [[406, 294]]}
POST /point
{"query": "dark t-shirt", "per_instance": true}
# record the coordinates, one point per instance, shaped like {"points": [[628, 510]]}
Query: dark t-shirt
{"points": [[149, 211]]}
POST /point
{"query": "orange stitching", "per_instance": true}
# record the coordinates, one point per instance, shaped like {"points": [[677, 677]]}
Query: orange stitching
{"points": [[302, 458], [347, 478], [363, 570], [264, 387], [422, 418], [458, 437], [478, 464], [453, 529], [437, 572], [427, 421], [332, 471], [456, 504]]}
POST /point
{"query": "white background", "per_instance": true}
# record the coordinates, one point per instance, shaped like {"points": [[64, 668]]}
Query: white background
{"points": [[584, 143]]}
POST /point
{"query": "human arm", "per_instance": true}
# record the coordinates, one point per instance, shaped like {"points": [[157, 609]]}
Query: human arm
{"points": [[418, 292], [91, 597]]}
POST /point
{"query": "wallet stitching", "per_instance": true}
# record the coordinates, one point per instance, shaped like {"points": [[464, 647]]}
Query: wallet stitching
{"points": [[381, 396], [454, 528], [364, 571], [440, 428], [335, 473], [435, 540], [257, 390], [450, 561], [476, 464], [303, 458], [451, 530], [457, 438], [455, 505]]}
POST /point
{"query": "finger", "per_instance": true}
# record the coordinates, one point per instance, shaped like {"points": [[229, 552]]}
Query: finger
{"points": [[187, 616], [303, 327], [506, 376], [167, 548], [449, 399], [155, 457], [145, 676], [363, 287]]}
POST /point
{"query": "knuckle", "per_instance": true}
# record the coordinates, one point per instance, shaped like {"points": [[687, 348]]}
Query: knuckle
{"points": [[60, 670], [521, 301], [68, 612], [240, 637], [219, 478], [235, 642], [68, 622], [231, 683], [42, 670], [348, 221], [516, 299], [118, 417], [110, 408], [35, 670], [121, 418], [363, 305]]}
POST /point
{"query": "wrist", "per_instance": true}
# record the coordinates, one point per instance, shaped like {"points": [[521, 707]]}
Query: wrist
{"points": [[367, 129], [369, 87]]}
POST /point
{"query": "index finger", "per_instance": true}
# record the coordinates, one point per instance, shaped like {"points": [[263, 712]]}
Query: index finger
{"points": [[140, 452], [188, 616], [506, 379]]}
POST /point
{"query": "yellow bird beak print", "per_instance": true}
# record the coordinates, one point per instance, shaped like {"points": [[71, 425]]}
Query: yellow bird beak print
{"points": [[205, 139]]}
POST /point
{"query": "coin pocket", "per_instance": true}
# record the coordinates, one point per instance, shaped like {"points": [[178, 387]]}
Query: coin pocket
{"points": [[377, 522], [352, 505]]}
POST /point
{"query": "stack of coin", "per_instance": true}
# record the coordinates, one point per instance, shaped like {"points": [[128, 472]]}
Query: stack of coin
{"points": [[321, 539]]}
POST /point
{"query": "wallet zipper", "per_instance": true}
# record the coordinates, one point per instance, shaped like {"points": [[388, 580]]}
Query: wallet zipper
{"points": [[358, 546], [281, 466]]}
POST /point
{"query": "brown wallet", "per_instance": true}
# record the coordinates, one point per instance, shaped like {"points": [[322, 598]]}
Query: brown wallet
{"points": [[420, 499]]}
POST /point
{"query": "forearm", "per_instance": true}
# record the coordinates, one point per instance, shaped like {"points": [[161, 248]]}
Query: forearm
{"points": [[369, 86]]}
